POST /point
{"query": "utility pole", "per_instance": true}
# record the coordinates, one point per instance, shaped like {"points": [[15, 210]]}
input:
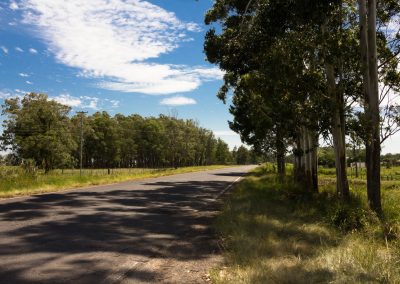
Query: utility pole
{"points": [[82, 113]]}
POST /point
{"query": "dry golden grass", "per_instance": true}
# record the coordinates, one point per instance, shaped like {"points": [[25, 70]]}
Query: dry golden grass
{"points": [[17, 183], [269, 236]]}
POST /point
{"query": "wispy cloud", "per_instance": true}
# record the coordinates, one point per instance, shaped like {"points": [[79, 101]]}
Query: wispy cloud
{"points": [[29, 82], [113, 41], [33, 51], [114, 103], [82, 102], [19, 49], [19, 91], [23, 75], [68, 100], [5, 95], [4, 49], [85, 102], [178, 101], [13, 5]]}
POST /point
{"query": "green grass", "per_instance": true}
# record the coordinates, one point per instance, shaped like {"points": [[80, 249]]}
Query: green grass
{"points": [[274, 233], [15, 182], [392, 173]]}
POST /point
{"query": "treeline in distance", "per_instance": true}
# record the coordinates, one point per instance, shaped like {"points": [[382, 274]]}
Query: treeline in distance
{"points": [[41, 130]]}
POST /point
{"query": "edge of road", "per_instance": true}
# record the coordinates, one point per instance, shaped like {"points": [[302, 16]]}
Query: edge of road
{"points": [[66, 190]]}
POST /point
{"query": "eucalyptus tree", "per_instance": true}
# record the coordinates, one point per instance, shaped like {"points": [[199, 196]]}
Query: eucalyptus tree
{"points": [[38, 128], [258, 44], [127, 133], [242, 155], [222, 153], [104, 142], [388, 10]]}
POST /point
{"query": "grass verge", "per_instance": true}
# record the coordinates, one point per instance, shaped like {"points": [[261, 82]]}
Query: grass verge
{"points": [[274, 233], [16, 183]]}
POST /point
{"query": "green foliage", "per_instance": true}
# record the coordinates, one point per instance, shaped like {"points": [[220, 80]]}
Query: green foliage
{"points": [[242, 155], [222, 153], [38, 128], [295, 67], [346, 217], [326, 157]]}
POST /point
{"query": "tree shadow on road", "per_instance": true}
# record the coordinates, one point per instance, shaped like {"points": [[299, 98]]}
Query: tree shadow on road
{"points": [[65, 237]]}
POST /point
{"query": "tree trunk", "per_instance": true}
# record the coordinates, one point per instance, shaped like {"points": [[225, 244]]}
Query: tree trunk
{"points": [[298, 155], [302, 157], [307, 156], [314, 162], [374, 160], [371, 101], [280, 156], [338, 134]]}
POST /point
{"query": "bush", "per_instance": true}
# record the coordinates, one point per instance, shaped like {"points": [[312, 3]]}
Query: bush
{"points": [[347, 218]]}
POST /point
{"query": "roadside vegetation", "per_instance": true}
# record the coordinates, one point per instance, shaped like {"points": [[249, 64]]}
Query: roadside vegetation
{"points": [[45, 146], [274, 232], [300, 71], [41, 132], [15, 181]]}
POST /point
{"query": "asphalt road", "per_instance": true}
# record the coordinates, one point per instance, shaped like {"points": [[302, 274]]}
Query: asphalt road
{"points": [[149, 231]]}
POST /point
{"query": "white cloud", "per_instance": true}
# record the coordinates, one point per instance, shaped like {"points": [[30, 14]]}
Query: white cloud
{"points": [[113, 40], [23, 75], [19, 49], [114, 103], [4, 49], [68, 100], [85, 102], [21, 91], [13, 5], [29, 82], [5, 94], [33, 51], [93, 103], [178, 101]]}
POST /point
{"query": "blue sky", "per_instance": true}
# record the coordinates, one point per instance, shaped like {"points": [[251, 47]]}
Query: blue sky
{"points": [[122, 56]]}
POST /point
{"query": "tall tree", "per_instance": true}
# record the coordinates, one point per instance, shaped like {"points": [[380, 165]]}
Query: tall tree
{"points": [[38, 128]]}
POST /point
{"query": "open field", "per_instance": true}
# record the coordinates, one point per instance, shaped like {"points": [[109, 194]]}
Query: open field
{"points": [[15, 182], [274, 233], [392, 173]]}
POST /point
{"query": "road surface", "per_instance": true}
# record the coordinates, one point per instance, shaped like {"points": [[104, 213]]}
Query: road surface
{"points": [[149, 231]]}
